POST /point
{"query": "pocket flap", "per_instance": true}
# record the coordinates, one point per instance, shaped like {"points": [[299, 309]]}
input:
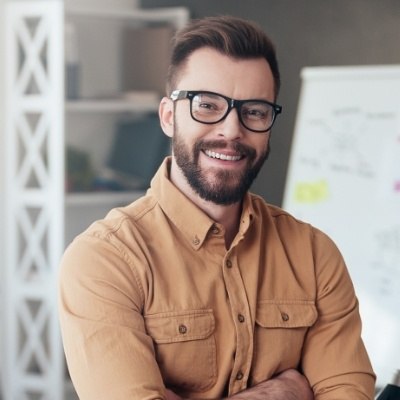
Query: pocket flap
{"points": [[286, 314], [170, 327]]}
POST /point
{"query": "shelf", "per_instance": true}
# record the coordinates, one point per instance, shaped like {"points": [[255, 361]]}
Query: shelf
{"points": [[111, 198], [45, 37], [175, 15], [111, 106]]}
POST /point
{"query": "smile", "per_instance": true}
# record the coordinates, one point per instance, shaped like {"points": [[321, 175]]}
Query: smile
{"points": [[219, 156]]}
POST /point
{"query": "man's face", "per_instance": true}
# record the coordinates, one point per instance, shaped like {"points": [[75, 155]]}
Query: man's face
{"points": [[220, 161], [219, 184]]}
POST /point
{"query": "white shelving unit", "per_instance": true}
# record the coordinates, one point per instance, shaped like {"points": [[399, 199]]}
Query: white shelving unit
{"points": [[41, 217], [177, 16], [101, 199], [109, 106]]}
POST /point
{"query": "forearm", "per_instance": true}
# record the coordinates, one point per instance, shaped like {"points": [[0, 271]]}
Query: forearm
{"points": [[289, 385]]}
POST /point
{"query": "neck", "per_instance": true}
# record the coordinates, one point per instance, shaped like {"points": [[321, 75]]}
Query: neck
{"points": [[226, 215]]}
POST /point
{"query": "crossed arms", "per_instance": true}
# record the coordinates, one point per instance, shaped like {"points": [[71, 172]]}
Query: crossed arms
{"points": [[288, 385]]}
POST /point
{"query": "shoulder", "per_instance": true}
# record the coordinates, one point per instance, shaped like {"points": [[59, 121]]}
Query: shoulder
{"points": [[112, 248], [287, 226], [276, 215], [124, 232], [118, 218]]}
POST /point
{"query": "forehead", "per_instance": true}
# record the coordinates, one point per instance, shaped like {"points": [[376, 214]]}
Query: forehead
{"points": [[208, 69]]}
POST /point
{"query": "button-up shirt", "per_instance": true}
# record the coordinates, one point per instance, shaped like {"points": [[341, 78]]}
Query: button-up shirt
{"points": [[151, 298]]}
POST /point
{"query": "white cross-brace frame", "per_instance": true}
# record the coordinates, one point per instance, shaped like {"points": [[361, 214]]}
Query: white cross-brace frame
{"points": [[33, 361]]}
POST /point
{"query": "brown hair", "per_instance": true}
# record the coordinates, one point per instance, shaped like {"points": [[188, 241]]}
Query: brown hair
{"points": [[232, 36]]}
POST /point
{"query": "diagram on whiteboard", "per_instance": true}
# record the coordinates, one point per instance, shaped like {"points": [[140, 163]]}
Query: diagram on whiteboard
{"points": [[385, 264], [344, 178], [340, 144]]}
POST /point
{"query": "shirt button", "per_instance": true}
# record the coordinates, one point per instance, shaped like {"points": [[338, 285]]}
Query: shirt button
{"points": [[239, 376], [196, 241], [284, 316], [215, 230], [182, 329], [228, 263], [241, 318]]}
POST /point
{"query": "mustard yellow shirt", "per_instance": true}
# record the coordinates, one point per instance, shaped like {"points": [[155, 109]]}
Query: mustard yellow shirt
{"points": [[150, 297]]}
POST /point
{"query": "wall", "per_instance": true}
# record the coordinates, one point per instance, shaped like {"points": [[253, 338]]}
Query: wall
{"points": [[2, 60], [2, 95], [308, 33]]}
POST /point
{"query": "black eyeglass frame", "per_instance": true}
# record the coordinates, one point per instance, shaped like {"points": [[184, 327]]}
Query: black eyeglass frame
{"points": [[232, 103]]}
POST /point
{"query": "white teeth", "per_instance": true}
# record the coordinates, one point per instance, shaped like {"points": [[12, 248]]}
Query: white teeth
{"points": [[220, 156]]}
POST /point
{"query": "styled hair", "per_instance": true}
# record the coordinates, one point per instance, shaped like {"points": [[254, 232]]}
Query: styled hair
{"points": [[231, 36]]}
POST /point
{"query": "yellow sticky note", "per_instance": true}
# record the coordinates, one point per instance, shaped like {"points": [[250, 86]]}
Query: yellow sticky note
{"points": [[311, 192]]}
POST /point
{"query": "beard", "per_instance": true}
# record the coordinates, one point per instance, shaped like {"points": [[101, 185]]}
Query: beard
{"points": [[217, 185]]}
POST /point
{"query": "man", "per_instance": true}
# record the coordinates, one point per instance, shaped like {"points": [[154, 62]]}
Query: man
{"points": [[201, 289]]}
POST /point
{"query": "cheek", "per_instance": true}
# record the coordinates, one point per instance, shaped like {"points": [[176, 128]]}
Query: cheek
{"points": [[188, 129], [261, 144]]}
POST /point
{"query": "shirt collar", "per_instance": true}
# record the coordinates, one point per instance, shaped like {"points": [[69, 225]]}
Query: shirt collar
{"points": [[185, 215]]}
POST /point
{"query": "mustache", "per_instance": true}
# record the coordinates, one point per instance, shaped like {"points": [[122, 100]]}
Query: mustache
{"points": [[241, 148]]}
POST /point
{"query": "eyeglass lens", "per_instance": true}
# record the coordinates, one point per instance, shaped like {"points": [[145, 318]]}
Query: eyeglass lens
{"points": [[212, 108]]}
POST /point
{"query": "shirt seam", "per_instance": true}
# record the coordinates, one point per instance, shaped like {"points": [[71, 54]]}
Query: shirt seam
{"points": [[109, 238], [110, 235]]}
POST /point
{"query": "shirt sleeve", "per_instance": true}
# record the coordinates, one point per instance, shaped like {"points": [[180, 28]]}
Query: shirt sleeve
{"points": [[334, 357], [109, 354]]}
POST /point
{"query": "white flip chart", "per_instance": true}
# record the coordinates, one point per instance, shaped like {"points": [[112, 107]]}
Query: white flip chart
{"points": [[344, 178]]}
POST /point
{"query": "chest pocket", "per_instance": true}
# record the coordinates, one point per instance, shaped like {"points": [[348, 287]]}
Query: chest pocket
{"points": [[280, 330], [185, 347]]}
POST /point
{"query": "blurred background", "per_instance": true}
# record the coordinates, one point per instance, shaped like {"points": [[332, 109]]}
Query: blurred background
{"points": [[106, 95]]}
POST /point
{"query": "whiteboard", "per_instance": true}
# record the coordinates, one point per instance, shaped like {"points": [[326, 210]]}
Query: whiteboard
{"points": [[344, 178]]}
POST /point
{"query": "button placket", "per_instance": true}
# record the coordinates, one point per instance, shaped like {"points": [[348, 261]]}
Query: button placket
{"points": [[239, 376], [240, 308]]}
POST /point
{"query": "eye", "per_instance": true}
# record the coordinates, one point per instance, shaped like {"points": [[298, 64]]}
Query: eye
{"points": [[204, 103], [207, 106], [256, 111]]}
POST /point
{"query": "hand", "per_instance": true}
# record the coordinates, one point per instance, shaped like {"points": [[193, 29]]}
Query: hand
{"points": [[288, 385], [172, 396]]}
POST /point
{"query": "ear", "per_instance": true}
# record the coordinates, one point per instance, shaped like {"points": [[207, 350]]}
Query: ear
{"points": [[166, 114]]}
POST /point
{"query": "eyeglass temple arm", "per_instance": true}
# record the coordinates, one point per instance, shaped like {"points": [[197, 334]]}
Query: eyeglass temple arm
{"points": [[178, 94]]}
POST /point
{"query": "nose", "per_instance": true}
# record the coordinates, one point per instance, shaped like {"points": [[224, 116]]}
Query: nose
{"points": [[230, 127]]}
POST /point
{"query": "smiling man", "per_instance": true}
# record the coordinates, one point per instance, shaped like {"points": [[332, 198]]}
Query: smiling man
{"points": [[219, 144], [200, 289]]}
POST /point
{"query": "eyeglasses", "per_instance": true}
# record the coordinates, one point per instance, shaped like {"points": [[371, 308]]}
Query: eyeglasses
{"points": [[211, 108]]}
